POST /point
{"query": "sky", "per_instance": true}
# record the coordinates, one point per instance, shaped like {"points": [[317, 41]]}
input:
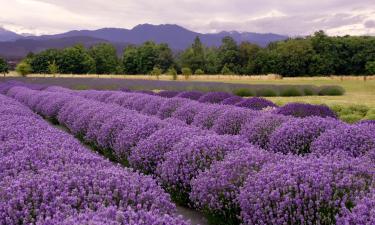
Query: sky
{"points": [[290, 17]]}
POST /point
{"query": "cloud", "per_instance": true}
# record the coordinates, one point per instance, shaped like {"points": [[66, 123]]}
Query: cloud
{"points": [[292, 17]]}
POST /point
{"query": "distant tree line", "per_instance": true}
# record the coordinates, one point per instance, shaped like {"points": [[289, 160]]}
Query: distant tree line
{"points": [[314, 55]]}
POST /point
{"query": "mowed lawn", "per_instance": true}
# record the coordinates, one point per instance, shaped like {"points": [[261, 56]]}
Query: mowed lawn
{"points": [[357, 91]]}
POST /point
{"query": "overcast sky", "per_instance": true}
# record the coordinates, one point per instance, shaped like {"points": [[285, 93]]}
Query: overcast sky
{"points": [[291, 17]]}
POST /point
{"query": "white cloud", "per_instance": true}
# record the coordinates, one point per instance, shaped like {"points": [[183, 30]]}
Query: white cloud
{"points": [[293, 17]]}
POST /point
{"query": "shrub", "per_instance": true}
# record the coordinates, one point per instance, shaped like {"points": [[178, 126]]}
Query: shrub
{"points": [[332, 91], [295, 136], [266, 93], [193, 95], [167, 109], [149, 152], [353, 140], [214, 97], [304, 190], [215, 190], [24, 68], [290, 91], [305, 110], [168, 94], [259, 130], [186, 72], [256, 103], [191, 156], [156, 71], [207, 117], [232, 100], [308, 92], [243, 92], [199, 72], [172, 71], [232, 119], [362, 213], [118, 216], [351, 118], [187, 112], [370, 67], [226, 71]]}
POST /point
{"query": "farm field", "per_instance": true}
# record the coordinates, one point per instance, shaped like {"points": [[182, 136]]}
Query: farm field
{"points": [[235, 160]]}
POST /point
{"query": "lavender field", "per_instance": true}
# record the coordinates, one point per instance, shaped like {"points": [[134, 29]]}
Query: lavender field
{"points": [[129, 157]]}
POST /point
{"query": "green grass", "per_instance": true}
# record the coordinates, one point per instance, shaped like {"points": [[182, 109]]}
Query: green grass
{"points": [[356, 91]]}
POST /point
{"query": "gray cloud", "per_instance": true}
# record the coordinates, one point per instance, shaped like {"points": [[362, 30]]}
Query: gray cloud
{"points": [[290, 17]]}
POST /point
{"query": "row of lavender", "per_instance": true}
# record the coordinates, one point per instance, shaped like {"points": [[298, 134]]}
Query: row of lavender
{"points": [[47, 177], [180, 164]]}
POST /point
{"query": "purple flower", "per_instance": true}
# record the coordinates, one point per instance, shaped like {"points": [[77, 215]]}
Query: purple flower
{"points": [[149, 152], [258, 130], [214, 97], [170, 106], [192, 156], [168, 94], [188, 111], [215, 191], [193, 95], [296, 136], [232, 119], [353, 140], [207, 116], [232, 100], [305, 110], [304, 190], [256, 103]]}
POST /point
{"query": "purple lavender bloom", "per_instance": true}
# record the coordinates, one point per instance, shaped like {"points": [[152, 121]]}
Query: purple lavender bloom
{"points": [[149, 152], [353, 140], [147, 92], [256, 103], [115, 216], [232, 119], [258, 130], [305, 110], [170, 106], [152, 107], [188, 111], [124, 89], [215, 191], [214, 97], [362, 213], [232, 100], [304, 190], [192, 156], [140, 103], [207, 116], [168, 94], [366, 122], [193, 95], [296, 136]]}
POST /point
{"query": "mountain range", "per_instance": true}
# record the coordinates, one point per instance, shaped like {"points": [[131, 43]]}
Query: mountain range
{"points": [[13, 45]]}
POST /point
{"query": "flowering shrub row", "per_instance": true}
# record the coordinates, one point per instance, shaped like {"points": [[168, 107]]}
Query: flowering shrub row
{"points": [[46, 176]]}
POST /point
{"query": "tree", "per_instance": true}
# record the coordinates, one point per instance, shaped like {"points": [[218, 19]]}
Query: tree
{"points": [[247, 54], [172, 71], [4, 68], [129, 60], [156, 71], [24, 68], [105, 57], [147, 57], [194, 57], [226, 70], [40, 62], [370, 67], [186, 71], [212, 61], [53, 68], [76, 60], [229, 54], [164, 57]]}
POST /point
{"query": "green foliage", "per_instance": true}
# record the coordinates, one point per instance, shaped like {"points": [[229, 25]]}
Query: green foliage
{"points": [[229, 55], [172, 71], [226, 70], [53, 68], [308, 91], [156, 71], [41, 62], [351, 118], [105, 57], [199, 72], [332, 91], [194, 57], [243, 92], [76, 60], [24, 68], [265, 92], [186, 71], [4, 68], [370, 67], [290, 91]]}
